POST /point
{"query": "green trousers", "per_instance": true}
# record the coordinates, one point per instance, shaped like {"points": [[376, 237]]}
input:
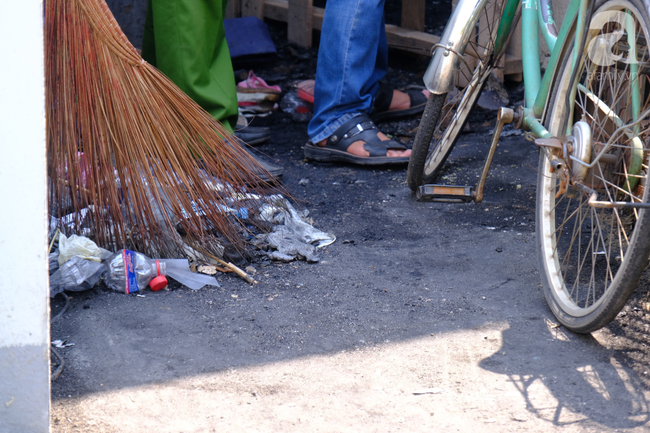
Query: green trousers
{"points": [[186, 40]]}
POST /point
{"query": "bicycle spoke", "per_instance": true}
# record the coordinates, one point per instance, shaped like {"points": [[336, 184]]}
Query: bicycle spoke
{"points": [[565, 220], [577, 232], [586, 248]]}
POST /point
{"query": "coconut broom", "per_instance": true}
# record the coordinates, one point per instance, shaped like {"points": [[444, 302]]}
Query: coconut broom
{"points": [[126, 143]]}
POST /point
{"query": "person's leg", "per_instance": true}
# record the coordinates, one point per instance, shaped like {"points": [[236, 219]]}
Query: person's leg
{"points": [[351, 61], [186, 40], [189, 46], [148, 40]]}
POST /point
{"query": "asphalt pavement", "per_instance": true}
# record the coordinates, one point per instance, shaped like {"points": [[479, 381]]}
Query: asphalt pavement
{"points": [[420, 317]]}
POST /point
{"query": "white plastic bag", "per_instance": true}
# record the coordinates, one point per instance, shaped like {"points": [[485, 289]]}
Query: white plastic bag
{"points": [[78, 246]]}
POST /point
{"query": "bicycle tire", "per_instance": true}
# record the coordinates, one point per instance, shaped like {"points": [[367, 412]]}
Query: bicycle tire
{"points": [[591, 259], [439, 131], [420, 149]]}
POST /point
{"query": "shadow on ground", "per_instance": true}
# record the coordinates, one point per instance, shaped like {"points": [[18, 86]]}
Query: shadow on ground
{"points": [[400, 271]]}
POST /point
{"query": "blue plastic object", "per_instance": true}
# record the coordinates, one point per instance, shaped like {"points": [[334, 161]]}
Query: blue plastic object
{"points": [[249, 41]]}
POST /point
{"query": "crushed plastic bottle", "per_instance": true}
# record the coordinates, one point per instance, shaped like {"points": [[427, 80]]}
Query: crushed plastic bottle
{"points": [[129, 271], [300, 110]]}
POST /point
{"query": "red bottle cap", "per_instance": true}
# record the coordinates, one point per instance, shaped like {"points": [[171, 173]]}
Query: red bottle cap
{"points": [[160, 282]]}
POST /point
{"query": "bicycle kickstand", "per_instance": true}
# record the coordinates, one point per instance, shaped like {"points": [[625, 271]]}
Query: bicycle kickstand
{"points": [[464, 194]]}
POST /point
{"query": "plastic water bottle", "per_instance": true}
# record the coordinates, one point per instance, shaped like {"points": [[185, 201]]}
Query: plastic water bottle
{"points": [[129, 272], [300, 110]]}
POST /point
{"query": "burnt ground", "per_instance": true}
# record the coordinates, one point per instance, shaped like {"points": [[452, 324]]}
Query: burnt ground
{"points": [[465, 164], [412, 296]]}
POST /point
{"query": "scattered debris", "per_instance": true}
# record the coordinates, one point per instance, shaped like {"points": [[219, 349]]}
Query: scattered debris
{"points": [[300, 110], [80, 246], [292, 238], [76, 274], [53, 259], [251, 270], [179, 270], [207, 269], [428, 391], [61, 344], [233, 268], [76, 220], [223, 270]]}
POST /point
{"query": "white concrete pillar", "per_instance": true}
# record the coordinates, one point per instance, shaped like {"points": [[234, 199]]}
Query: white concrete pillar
{"points": [[24, 300]]}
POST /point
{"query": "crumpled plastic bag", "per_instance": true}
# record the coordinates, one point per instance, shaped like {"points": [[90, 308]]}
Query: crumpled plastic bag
{"points": [[80, 246], [76, 274], [289, 247], [292, 237], [53, 261]]}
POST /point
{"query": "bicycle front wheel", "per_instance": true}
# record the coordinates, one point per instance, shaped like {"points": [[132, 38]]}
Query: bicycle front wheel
{"points": [[592, 256], [446, 115]]}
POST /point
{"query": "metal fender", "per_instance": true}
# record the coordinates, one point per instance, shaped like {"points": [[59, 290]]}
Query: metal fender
{"points": [[446, 58]]}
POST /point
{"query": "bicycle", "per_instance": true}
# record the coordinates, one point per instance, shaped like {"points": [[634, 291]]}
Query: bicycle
{"points": [[590, 115]]}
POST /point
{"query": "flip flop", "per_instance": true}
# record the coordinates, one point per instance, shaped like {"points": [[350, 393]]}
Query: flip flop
{"points": [[255, 95], [360, 127], [380, 109], [255, 84]]}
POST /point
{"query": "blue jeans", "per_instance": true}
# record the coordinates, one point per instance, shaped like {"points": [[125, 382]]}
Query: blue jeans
{"points": [[352, 58]]}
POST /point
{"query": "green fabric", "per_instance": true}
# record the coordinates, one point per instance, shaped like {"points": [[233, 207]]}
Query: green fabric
{"points": [[186, 40]]}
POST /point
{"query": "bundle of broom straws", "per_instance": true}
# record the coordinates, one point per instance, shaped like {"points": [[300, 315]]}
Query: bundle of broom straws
{"points": [[128, 145]]}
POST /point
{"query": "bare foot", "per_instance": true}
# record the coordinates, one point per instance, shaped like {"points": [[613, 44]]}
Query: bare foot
{"points": [[357, 148], [401, 100]]}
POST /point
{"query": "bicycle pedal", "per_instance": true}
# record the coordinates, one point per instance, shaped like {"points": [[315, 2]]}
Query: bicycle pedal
{"points": [[445, 193]]}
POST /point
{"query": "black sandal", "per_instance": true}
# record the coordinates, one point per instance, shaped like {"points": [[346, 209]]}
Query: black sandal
{"points": [[360, 127], [380, 108]]}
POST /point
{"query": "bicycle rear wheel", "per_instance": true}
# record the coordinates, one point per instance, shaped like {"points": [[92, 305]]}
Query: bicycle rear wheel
{"points": [[446, 115], [591, 258]]}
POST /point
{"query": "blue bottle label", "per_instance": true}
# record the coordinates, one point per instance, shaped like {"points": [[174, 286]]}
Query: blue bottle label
{"points": [[129, 271]]}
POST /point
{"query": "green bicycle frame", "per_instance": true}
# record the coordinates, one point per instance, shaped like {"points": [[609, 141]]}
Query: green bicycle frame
{"points": [[536, 97], [536, 16], [537, 88]]}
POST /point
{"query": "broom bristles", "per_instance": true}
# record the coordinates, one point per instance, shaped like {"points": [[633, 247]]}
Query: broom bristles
{"points": [[124, 140]]}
